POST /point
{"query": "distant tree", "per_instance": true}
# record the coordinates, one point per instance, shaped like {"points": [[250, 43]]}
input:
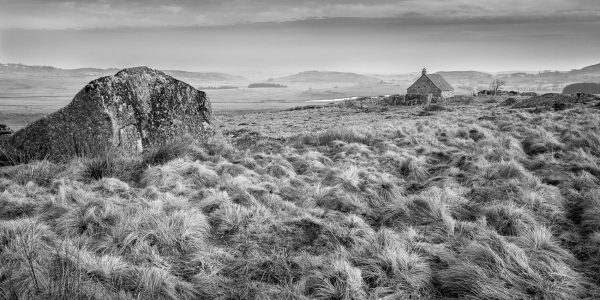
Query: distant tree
{"points": [[362, 100], [496, 85], [266, 85]]}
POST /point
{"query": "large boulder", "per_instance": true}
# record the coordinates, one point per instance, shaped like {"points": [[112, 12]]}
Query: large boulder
{"points": [[134, 109]]}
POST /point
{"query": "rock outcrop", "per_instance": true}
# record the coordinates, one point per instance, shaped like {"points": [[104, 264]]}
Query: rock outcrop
{"points": [[5, 133], [5, 130], [548, 101], [134, 109]]}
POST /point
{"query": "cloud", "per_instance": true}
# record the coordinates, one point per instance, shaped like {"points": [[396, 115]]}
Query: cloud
{"points": [[348, 44], [63, 14]]}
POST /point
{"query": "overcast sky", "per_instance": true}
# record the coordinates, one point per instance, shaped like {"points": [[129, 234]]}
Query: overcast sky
{"points": [[376, 36]]}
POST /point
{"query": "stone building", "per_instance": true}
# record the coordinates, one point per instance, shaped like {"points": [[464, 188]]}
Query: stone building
{"points": [[432, 86]]}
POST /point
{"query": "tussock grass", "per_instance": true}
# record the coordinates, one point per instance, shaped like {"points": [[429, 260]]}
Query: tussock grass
{"points": [[352, 134], [509, 219], [339, 281], [168, 151], [40, 172], [178, 174], [383, 205], [414, 168], [590, 215], [391, 270], [540, 141], [506, 170], [112, 165]]}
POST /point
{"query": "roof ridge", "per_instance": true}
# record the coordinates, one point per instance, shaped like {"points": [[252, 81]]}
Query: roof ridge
{"points": [[439, 81]]}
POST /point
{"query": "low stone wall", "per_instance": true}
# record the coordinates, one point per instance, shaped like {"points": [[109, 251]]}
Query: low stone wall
{"points": [[407, 100]]}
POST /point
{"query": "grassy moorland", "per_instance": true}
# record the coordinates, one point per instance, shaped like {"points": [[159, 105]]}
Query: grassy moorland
{"points": [[464, 201]]}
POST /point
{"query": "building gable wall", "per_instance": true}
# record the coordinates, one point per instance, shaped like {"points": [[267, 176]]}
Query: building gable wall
{"points": [[424, 86]]}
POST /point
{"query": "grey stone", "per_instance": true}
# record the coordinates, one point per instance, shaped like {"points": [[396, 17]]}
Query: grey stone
{"points": [[5, 133], [132, 110], [5, 130]]}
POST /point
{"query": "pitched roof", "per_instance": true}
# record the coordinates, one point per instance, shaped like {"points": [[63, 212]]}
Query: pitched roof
{"points": [[439, 82]]}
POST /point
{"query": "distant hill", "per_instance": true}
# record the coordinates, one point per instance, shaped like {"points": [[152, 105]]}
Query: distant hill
{"points": [[327, 76], [588, 87], [49, 71], [22, 68], [587, 70], [464, 75], [207, 76]]}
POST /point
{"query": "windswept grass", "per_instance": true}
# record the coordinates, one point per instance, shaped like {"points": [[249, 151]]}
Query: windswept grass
{"points": [[475, 201], [40, 172], [352, 134]]}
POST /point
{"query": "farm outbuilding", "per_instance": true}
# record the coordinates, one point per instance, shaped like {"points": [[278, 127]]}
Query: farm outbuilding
{"points": [[431, 86]]}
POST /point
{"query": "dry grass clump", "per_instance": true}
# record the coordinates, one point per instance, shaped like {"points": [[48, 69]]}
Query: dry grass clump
{"points": [[503, 148], [505, 170], [168, 151], [494, 268], [391, 207], [340, 280], [590, 206], [540, 141], [353, 134], [179, 174], [40, 172], [391, 270], [112, 166], [414, 168]]}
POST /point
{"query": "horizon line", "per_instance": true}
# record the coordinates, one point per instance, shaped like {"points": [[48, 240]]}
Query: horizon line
{"points": [[296, 72]]}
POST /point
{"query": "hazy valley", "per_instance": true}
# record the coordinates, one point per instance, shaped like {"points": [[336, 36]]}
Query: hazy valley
{"points": [[29, 92]]}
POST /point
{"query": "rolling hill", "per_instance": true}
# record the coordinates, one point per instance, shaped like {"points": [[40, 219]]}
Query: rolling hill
{"points": [[327, 76], [584, 87], [465, 75], [12, 69], [593, 69], [207, 76]]}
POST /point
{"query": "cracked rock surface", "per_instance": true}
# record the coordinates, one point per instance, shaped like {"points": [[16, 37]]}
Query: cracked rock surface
{"points": [[132, 110]]}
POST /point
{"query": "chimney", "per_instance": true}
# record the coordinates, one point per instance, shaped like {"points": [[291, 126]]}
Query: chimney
{"points": [[424, 71]]}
